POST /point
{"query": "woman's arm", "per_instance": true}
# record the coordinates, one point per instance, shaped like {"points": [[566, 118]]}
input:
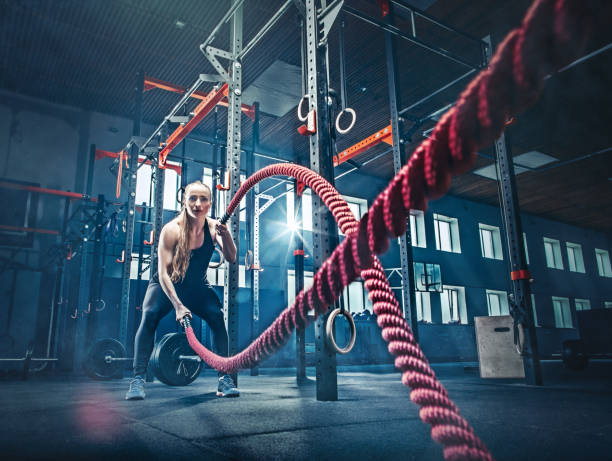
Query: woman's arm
{"points": [[224, 238], [167, 241]]}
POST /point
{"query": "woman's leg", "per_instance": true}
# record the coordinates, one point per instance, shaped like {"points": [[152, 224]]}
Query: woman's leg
{"points": [[207, 306], [155, 306]]}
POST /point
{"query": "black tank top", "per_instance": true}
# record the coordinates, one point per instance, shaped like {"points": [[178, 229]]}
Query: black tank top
{"points": [[198, 263]]}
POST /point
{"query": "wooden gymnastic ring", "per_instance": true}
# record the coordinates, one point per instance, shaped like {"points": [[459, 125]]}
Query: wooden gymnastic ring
{"points": [[329, 331]]}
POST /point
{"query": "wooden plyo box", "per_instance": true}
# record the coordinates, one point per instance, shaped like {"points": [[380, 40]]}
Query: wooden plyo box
{"points": [[497, 354]]}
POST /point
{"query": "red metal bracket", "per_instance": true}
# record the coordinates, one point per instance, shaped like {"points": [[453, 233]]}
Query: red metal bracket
{"points": [[384, 7], [225, 186], [522, 274], [300, 188], [122, 260], [150, 83], [385, 135], [310, 127], [298, 252], [151, 238], [104, 153], [200, 112]]}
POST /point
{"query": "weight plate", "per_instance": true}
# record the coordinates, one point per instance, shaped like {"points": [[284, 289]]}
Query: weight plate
{"points": [[167, 365], [96, 365]]}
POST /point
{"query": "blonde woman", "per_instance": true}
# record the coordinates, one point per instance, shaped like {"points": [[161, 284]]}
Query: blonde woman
{"points": [[186, 245]]}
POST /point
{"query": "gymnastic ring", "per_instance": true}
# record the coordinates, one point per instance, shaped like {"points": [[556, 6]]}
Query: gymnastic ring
{"points": [[179, 195], [299, 108], [329, 331], [350, 127], [221, 259]]}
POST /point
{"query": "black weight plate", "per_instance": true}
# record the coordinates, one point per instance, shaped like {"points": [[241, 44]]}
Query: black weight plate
{"points": [[169, 369], [96, 366], [154, 359]]}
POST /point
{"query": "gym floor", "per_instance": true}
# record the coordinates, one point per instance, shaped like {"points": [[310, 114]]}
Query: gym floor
{"points": [[567, 418]]}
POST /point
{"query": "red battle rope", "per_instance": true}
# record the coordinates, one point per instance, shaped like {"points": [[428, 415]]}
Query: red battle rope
{"points": [[552, 34]]}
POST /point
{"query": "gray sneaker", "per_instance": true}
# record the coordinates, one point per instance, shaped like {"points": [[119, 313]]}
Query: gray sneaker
{"points": [[136, 391], [227, 388]]}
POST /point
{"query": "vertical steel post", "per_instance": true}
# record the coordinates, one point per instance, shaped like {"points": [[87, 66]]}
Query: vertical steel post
{"points": [[397, 128], [324, 233], [511, 216], [234, 111], [300, 333], [251, 217], [96, 263], [130, 212], [159, 175]]}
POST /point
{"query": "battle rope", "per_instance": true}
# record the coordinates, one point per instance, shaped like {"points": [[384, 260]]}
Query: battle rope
{"points": [[552, 34]]}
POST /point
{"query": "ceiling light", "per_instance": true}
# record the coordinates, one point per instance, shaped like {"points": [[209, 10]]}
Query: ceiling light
{"points": [[179, 24]]}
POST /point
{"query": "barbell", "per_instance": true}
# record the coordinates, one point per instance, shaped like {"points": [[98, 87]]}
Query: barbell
{"points": [[27, 360], [171, 361]]}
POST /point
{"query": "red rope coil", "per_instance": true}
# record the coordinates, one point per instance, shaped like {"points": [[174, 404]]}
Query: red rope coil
{"points": [[550, 36]]}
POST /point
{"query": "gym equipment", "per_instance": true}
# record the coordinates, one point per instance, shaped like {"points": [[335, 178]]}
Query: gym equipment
{"points": [[170, 362], [329, 331], [27, 360], [497, 354], [173, 362], [104, 360]]}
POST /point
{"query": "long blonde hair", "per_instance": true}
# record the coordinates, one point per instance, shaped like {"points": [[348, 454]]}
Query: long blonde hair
{"points": [[182, 252]]}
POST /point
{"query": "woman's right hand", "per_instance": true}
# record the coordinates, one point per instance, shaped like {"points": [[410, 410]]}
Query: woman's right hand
{"points": [[182, 311]]}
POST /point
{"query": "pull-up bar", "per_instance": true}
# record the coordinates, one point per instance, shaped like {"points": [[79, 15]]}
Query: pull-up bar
{"points": [[385, 135], [150, 83], [203, 109]]}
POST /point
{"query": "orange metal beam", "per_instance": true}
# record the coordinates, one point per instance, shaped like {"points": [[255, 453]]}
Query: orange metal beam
{"points": [[203, 109], [150, 83], [29, 229], [384, 135], [104, 153]]}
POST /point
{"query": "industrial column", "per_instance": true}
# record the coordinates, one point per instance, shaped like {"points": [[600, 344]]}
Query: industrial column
{"points": [[324, 231], [522, 311], [130, 211], [397, 129], [234, 110]]}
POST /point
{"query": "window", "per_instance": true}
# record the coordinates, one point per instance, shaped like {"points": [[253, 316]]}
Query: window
{"points": [[145, 189], [525, 245], [291, 283], [134, 267], [582, 304], [427, 277], [447, 233], [355, 298], [423, 306], [563, 314], [552, 248], [575, 262], [217, 276], [490, 242], [358, 206], [603, 263], [535, 312], [608, 304], [452, 300], [497, 302], [221, 205], [417, 229], [306, 209]]}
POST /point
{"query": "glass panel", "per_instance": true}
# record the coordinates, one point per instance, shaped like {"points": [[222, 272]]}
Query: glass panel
{"points": [[445, 236]]}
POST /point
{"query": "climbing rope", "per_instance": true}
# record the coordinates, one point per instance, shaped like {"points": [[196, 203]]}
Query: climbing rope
{"points": [[551, 35]]}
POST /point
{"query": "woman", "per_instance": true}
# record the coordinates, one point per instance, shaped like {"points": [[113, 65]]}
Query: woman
{"points": [[186, 245]]}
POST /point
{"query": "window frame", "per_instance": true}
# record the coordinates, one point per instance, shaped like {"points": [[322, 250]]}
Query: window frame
{"points": [[496, 249], [453, 233], [554, 260], [563, 316], [602, 258], [502, 299], [575, 262], [447, 317]]}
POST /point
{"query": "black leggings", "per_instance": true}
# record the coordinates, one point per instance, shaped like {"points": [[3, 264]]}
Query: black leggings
{"points": [[201, 300]]}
